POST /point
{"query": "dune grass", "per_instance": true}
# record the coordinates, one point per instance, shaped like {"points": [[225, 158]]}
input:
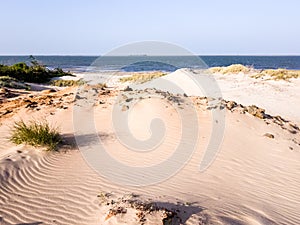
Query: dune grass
{"points": [[232, 69], [271, 74], [278, 74], [67, 83], [36, 134], [142, 77]]}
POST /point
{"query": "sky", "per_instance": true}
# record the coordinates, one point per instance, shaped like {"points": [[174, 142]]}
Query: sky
{"points": [[95, 27]]}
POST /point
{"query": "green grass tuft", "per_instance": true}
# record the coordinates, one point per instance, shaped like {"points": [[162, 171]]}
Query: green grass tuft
{"points": [[36, 134]]}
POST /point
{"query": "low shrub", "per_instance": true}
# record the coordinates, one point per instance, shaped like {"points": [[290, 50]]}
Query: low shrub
{"points": [[36, 73]]}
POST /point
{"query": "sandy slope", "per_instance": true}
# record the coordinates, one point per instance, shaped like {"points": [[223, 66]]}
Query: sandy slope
{"points": [[277, 97], [254, 179]]}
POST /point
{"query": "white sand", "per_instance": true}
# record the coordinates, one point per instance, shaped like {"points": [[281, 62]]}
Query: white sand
{"points": [[254, 179], [277, 97]]}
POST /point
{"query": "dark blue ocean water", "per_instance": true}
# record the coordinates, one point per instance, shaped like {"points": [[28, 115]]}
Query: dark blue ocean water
{"points": [[150, 63]]}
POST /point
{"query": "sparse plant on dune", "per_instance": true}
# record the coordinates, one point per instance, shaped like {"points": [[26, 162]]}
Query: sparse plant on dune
{"points": [[67, 83], [272, 74], [278, 74], [36, 134], [232, 69], [142, 77], [99, 85]]}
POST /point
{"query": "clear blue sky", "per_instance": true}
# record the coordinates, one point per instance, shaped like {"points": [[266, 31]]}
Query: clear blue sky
{"points": [[93, 27]]}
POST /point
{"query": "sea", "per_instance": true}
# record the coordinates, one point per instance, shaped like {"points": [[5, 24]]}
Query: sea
{"points": [[81, 64]]}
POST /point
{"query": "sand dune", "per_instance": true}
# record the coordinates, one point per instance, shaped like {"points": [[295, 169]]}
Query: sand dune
{"points": [[253, 180], [278, 97]]}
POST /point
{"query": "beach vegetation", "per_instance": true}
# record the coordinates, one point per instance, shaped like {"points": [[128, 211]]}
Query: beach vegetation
{"points": [[98, 86], [277, 74], [232, 69], [67, 83], [10, 82], [34, 133], [271, 74], [142, 77], [35, 73]]}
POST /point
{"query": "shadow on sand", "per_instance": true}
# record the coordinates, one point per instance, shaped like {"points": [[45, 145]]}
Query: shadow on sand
{"points": [[33, 223], [85, 140], [180, 212]]}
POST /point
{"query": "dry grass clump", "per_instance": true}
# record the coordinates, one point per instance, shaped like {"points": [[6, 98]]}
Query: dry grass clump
{"points": [[67, 83], [36, 134], [272, 74], [142, 77], [98, 86], [10, 82], [232, 69], [278, 74]]}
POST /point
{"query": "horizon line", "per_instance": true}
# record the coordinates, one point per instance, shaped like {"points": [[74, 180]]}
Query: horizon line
{"points": [[94, 55]]}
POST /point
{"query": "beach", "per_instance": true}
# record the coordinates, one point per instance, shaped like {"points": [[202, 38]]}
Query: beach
{"points": [[252, 179]]}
